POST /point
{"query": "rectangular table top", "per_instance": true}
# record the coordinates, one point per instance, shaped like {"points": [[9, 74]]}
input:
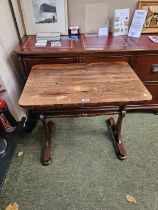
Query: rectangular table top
{"points": [[78, 84]]}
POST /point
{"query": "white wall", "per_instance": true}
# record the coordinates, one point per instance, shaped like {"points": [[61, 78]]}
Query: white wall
{"points": [[77, 10], [9, 69]]}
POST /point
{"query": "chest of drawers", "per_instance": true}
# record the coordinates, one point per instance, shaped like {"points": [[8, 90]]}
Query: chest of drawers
{"points": [[141, 54]]}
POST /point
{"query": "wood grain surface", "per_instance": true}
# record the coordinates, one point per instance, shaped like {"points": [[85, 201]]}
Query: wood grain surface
{"points": [[78, 84]]}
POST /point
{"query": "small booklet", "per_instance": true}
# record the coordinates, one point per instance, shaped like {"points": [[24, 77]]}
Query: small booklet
{"points": [[48, 36], [41, 43], [153, 38]]}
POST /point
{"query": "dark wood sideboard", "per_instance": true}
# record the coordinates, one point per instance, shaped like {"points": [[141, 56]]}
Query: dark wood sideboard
{"points": [[140, 53]]}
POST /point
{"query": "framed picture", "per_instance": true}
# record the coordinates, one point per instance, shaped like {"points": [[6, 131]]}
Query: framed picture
{"points": [[151, 22], [44, 16]]}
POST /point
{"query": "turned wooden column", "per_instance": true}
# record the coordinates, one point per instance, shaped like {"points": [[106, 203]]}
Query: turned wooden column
{"points": [[46, 158]]}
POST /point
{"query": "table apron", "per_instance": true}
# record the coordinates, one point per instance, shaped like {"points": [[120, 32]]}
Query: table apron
{"points": [[81, 112]]}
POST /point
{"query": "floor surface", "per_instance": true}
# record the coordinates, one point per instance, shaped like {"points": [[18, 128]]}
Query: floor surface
{"points": [[85, 173]]}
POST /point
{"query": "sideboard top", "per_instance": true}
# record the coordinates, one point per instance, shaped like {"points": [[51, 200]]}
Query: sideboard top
{"points": [[90, 44]]}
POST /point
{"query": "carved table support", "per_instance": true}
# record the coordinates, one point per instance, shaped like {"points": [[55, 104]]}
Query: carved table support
{"points": [[46, 159], [116, 132]]}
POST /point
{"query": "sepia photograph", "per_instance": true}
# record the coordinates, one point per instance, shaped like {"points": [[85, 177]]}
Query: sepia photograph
{"points": [[151, 22], [45, 11], [45, 16]]}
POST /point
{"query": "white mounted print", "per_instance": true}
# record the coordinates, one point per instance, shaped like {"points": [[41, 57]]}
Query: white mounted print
{"points": [[45, 16]]}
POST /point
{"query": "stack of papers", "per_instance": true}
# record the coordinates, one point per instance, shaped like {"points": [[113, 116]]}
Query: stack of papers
{"points": [[41, 43], [48, 36]]}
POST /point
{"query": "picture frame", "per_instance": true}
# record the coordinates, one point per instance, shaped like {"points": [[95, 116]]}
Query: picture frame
{"points": [[151, 22], [44, 16]]}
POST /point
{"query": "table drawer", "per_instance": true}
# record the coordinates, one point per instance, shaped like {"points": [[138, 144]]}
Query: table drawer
{"points": [[89, 59], [146, 67], [153, 89], [29, 62]]}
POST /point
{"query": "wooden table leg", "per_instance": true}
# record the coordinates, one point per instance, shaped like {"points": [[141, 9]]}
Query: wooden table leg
{"points": [[116, 132], [46, 159]]}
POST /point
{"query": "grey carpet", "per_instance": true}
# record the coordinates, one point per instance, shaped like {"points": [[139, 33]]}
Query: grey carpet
{"points": [[6, 158], [85, 173]]}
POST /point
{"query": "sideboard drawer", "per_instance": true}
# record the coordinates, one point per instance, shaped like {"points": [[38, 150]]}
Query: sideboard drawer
{"points": [[89, 59], [29, 62], [146, 67], [153, 89]]}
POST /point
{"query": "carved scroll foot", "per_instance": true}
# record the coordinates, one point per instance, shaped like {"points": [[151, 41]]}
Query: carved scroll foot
{"points": [[115, 128]]}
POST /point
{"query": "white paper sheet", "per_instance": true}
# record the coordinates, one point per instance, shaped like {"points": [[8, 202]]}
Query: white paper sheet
{"points": [[103, 31], [153, 38], [137, 23]]}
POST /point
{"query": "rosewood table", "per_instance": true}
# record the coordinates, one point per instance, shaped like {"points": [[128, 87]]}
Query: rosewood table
{"points": [[59, 90]]}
